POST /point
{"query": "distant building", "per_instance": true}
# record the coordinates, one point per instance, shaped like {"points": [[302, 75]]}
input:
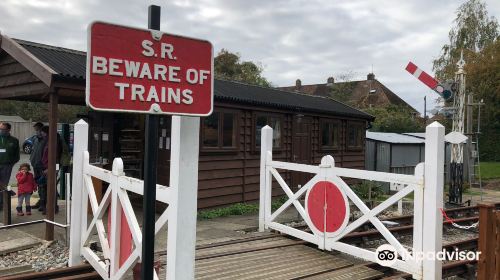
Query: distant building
{"points": [[360, 94], [400, 152]]}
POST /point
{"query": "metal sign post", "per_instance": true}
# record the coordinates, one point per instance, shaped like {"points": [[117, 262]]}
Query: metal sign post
{"points": [[150, 172]]}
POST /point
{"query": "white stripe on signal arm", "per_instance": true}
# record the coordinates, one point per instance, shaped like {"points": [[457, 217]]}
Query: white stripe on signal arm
{"points": [[417, 72]]}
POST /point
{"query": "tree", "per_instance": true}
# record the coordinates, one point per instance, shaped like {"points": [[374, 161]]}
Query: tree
{"points": [[483, 79], [38, 111], [342, 89], [473, 30], [477, 35], [395, 118], [229, 66]]}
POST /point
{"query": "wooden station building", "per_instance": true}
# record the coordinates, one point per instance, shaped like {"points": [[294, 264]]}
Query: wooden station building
{"points": [[305, 127]]}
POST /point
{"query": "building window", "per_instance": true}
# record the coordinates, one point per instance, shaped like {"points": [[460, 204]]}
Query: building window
{"points": [[330, 134], [355, 135], [219, 131], [274, 122]]}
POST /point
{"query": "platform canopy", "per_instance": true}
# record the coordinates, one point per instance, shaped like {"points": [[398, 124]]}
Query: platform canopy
{"points": [[40, 73], [30, 71]]}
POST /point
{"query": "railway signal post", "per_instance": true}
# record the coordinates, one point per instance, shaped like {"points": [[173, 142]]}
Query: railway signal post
{"points": [[450, 90]]}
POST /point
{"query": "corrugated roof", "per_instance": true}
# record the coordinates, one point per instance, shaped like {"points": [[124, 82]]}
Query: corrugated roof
{"points": [[66, 62], [416, 134], [394, 138], [240, 92], [72, 64]]}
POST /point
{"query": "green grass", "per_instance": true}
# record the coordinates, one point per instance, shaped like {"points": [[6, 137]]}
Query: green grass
{"points": [[490, 170], [237, 209]]}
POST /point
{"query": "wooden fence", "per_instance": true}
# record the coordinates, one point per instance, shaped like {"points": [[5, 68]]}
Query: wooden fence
{"points": [[489, 242]]}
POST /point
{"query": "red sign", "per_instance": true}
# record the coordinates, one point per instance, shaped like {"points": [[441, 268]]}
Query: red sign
{"points": [[326, 203], [147, 71]]}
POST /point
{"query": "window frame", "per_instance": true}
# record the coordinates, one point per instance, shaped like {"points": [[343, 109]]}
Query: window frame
{"points": [[338, 124], [256, 148], [220, 132], [362, 129]]}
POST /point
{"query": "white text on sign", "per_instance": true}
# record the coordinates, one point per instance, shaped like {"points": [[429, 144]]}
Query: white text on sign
{"points": [[151, 71]]}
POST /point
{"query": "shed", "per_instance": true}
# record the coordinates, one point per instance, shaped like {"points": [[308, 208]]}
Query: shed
{"points": [[393, 152], [400, 153]]}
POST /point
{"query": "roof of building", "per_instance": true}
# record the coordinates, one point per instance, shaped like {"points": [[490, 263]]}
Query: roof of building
{"points": [[361, 94], [240, 92], [4, 118], [394, 138], [66, 62], [71, 64], [416, 134]]}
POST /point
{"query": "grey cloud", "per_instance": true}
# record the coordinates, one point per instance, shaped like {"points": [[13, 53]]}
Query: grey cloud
{"points": [[293, 39]]}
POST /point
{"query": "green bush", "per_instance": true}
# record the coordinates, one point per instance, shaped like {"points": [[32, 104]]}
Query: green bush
{"points": [[363, 189], [238, 209]]}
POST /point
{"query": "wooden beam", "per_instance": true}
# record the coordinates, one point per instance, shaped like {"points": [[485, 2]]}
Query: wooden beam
{"points": [[51, 180], [28, 60], [78, 86], [23, 92]]}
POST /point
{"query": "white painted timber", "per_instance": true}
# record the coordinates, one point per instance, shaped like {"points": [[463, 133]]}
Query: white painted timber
{"points": [[80, 132], [184, 187], [433, 198], [266, 145], [116, 201], [426, 184]]}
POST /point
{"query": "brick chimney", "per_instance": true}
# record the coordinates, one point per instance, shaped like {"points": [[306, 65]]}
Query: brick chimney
{"points": [[330, 81], [370, 77], [298, 85]]}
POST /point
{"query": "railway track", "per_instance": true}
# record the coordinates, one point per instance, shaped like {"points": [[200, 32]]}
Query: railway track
{"points": [[79, 272], [257, 244]]}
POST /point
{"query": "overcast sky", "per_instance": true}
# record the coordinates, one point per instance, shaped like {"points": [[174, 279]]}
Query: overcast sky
{"points": [[310, 40]]}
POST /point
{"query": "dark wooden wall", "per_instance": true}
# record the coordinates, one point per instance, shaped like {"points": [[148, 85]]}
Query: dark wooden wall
{"points": [[227, 177], [232, 177]]}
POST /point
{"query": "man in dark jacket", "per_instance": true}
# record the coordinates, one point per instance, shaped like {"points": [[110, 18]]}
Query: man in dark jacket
{"points": [[36, 155], [9, 155]]}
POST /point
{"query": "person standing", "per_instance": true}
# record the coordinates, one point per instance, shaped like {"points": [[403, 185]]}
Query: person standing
{"points": [[9, 155], [25, 188], [36, 157]]}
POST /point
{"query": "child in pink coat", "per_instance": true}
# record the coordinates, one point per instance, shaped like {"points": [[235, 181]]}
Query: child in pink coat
{"points": [[25, 188]]}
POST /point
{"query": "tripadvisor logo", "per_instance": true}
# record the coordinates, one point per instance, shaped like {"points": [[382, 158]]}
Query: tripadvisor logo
{"points": [[387, 255]]}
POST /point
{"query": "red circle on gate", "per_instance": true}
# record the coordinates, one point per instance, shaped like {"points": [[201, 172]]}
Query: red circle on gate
{"points": [[324, 192]]}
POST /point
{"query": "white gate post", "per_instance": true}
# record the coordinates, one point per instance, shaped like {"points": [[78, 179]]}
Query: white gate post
{"points": [[266, 146], [81, 136], [433, 199], [184, 185]]}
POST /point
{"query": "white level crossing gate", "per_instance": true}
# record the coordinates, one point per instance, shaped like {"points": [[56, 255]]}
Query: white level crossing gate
{"points": [[327, 199], [111, 263]]}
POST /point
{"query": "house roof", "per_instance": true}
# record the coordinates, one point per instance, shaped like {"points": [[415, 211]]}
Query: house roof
{"points": [[394, 138], [357, 93], [71, 65]]}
